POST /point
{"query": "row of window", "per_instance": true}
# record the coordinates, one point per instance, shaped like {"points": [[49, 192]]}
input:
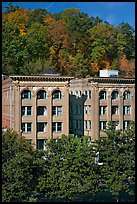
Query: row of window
{"points": [[57, 126], [41, 127], [103, 125], [41, 110], [115, 110], [115, 95], [102, 110], [26, 94]]}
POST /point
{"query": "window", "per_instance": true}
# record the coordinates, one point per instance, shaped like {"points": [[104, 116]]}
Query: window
{"points": [[78, 109], [26, 110], [26, 94], [126, 124], [56, 95], [41, 110], [85, 92], [26, 127], [103, 125], [127, 110], [127, 95], [78, 93], [89, 94], [87, 124], [41, 94], [42, 127], [57, 127], [115, 110], [41, 144], [87, 109], [115, 95], [57, 110], [116, 124], [103, 110], [102, 95], [78, 124]]}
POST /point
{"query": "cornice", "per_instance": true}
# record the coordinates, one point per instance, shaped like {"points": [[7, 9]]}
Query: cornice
{"points": [[41, 78]]}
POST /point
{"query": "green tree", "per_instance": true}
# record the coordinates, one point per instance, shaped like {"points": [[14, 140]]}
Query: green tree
{"points": [[70, 167], [17, 173], [117, 153]]}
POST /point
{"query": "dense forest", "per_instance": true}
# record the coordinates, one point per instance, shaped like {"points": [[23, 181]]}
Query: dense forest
{"points": [[69, 42]]}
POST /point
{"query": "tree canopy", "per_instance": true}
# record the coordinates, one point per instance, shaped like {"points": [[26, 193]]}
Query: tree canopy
{"points": [[70, 168], [70, 41]]}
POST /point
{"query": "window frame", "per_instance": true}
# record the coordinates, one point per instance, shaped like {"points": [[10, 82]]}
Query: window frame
{"points": [[41, 94], [58, 95], [26, 95], [26, 127], [25, 111]]}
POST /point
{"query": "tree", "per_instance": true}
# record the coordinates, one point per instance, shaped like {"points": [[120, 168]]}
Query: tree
{"points": [[17, 174], [117, 152], [71, 173]]}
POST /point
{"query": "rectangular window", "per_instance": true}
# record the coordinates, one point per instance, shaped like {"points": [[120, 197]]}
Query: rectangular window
{"points": [[89, 94], [41, 144], [26, 110], [57, 127], [103, 110], [89, 110], [89, 125], [85, 124], [26, 127], [103, 125], [42, 127], [26, 94], [117, 124], [41, 110], [127, 110], [126, 124], [85, 109], [57, 110], [115, 110], [78, 124], [85, 92]]}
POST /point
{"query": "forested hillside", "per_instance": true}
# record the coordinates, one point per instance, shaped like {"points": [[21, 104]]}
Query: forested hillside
{"points": [[69, 42]]}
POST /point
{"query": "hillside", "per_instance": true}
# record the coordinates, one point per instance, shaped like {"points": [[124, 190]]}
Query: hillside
{"points": [[70, 43]]}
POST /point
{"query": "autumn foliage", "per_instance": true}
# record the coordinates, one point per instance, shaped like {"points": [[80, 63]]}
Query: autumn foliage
{"points": [[69, 42]]}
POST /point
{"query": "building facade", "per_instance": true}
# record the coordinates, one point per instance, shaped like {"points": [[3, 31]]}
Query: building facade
{"points": [[45, 107]]}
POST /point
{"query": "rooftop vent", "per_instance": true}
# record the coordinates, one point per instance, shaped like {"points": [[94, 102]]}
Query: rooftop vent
{"points": [[108, 73]]}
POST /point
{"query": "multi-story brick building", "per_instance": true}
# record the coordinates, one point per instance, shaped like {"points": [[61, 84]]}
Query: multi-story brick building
{"points": [[47, 106]]}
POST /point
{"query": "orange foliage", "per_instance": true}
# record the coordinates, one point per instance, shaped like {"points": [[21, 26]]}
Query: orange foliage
{"points": [[127, 67], [18, 16], [48, 19], [59, 33]]}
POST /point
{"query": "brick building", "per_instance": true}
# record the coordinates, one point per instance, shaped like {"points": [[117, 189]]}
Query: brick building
{"points": [[47, 106]]}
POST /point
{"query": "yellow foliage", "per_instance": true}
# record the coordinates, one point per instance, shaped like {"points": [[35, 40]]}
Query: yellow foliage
{"points": [[71, 58], [18, 16], [49, 20], [22, 29]]}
